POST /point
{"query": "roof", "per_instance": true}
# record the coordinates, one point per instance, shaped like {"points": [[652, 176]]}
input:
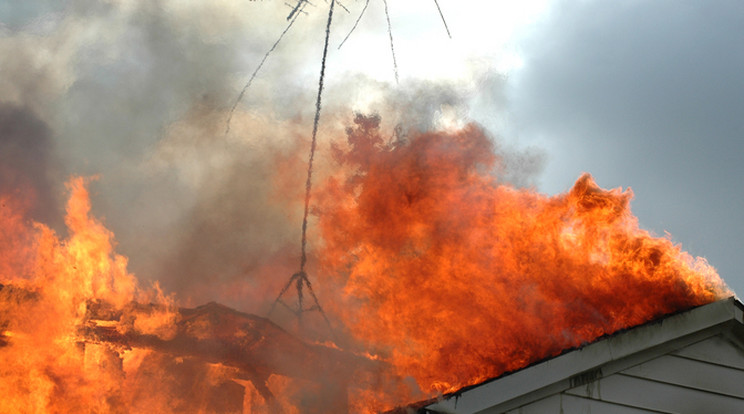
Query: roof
{"points": [[708, 338]]}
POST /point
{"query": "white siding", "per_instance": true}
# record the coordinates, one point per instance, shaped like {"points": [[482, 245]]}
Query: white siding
{"points": [[715, 350], [706, 377], [570, 404], [689, 373], [652, 395]]}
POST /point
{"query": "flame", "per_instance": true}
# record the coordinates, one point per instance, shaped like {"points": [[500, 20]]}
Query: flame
{"points": [[455, 277], [441, 274], [48, 281], [78, 333]]}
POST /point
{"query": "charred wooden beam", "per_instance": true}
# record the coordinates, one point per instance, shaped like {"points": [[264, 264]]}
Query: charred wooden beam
{"points": [[217, 334], [255, 346], [214, 334]]}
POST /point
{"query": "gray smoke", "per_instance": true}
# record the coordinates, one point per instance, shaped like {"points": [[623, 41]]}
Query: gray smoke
{"points": [[137, 93], [27, 163]]}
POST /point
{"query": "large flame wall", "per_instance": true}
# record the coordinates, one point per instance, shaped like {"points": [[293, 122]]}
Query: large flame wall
{"points": [[456, 276], [425, 260]]}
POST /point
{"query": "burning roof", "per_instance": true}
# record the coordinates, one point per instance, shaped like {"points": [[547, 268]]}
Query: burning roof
{"points": [[434, 273], [457, 276], [691, 361]]}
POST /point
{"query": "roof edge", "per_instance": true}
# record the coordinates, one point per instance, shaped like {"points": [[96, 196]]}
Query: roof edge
{"points": [[611, 353]]}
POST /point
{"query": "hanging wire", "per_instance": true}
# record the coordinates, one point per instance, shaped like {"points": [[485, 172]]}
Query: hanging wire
{"points": [[260, 65], [300, 279], [355, 24], [390, 33], [443, 21]]}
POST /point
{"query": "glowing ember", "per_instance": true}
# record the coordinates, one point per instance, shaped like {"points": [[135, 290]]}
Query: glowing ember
{"points": [[455, 277]]}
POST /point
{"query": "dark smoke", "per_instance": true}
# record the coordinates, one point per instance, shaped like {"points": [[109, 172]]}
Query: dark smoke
{"points": [[27, 164], [138, 93]]}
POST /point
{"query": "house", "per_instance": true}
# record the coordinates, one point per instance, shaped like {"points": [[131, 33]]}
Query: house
{"points": [[688, 362]]}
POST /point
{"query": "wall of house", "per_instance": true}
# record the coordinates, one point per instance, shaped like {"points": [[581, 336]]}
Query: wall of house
{"points": [[705, 377]]}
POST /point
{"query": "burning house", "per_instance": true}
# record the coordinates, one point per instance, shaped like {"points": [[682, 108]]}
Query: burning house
{"points": [[441, 277], [689, 362]]}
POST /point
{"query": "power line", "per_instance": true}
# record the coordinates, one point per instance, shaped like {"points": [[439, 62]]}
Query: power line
{"points": [[390, 33], [355, 24], [443, 21], [260, 65]]}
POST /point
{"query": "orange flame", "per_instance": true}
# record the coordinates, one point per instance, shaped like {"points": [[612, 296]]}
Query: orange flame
{"points": [[440, 272], [456, 277], [55, 357], [42, 365]]}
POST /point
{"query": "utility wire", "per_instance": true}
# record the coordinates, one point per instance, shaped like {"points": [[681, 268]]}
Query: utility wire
{"points": [[390, 33], [296, 8], [355, 24], [260, 65], [443, 21], [313, 143]]}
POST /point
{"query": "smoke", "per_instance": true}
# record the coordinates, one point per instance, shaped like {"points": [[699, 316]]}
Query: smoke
{"points": [[27, 164], [137, 93]]}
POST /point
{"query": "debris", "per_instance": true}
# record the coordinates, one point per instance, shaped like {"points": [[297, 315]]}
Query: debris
{"points": [[215, 334]]}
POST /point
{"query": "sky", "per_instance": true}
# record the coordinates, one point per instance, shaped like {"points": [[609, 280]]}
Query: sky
{"points": [[646, 95]]}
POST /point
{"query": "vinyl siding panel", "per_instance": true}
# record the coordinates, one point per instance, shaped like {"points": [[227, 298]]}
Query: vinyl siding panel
{"points": [[659, 396], [570, 404], [694, 374], [716, 350]]}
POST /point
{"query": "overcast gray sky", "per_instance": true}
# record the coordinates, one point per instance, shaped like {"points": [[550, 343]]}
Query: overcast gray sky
{"points": [[642, 94], [646, 94]]}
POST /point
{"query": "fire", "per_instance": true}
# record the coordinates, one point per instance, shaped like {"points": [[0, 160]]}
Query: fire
{"points": [[455, 277], [435, 273], [47, 282], [78, 334]]}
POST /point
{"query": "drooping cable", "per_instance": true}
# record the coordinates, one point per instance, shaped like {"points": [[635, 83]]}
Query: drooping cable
{"points": [[255, 72], [392, 46], [443, 21]]}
